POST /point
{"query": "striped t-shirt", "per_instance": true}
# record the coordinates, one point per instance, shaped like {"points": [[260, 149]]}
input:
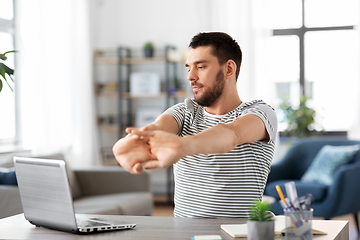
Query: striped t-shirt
{"points": [[221, 185]]}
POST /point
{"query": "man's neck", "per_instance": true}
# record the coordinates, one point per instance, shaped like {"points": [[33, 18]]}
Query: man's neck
{"points": [[224, 105]]}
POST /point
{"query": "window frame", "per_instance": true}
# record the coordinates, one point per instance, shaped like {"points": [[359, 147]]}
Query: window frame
{"points": [[301, 32]]}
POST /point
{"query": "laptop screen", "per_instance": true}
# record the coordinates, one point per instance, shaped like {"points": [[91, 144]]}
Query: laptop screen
{"points": [[45, 192]]}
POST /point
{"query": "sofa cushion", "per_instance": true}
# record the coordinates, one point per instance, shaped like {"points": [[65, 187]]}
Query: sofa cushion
{"points": [[135, 203], [318, 191], [7, 176], [327, 161]]}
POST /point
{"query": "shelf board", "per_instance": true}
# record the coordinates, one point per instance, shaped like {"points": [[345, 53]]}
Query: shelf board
{"points": [[115, 94], [115, 60], [108, 94], [129, 95], [182, 94], [109, 128], [143, 60], [106, 60]]}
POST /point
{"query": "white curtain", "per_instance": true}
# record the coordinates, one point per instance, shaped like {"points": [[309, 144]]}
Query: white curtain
{"points": [[54, 79], [354, 132], [247, 22]]}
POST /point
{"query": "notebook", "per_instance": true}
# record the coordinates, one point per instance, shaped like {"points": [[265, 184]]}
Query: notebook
{"points": [[47, 202]]}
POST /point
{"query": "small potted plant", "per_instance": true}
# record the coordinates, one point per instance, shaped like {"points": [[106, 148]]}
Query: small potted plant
{"points": [[5, 70], [261, 221], [148, 49]]}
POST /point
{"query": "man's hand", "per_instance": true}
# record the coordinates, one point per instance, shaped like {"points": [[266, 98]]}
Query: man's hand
{"points": [[131, 151], [167, 147]]}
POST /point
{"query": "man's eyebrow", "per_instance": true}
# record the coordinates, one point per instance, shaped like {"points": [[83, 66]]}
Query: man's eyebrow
{"points": [[197, 62]]}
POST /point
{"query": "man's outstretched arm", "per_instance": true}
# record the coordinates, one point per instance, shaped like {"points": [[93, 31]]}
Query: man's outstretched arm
{"points": [[169, 148], [131, 151]]}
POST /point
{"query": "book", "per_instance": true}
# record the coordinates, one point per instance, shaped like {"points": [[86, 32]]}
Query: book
{"points": [[240, 230]]}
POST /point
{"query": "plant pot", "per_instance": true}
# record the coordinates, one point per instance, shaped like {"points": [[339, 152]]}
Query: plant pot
{"points": [[148, 52], [260, 230]]}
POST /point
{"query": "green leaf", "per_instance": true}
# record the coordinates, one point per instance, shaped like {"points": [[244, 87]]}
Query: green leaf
{"points": [[2, 73], [6, 69], [260, 212], [12, 51], [3, 57], [299, 120], [9, 84]]}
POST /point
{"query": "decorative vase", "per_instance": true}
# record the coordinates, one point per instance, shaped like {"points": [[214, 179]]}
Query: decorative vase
{"points": [[260, 230]]}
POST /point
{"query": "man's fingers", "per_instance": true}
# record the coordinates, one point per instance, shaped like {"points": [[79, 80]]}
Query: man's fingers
{"points": [[151, 164], [128, 130], [144, 128], [138, 168], [142, 133]]}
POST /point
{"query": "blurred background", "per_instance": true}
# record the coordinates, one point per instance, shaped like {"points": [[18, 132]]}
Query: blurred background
{"points": [[67, 66]]}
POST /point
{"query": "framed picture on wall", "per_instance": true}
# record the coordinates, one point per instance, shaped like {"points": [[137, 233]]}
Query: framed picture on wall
{"points": [[144, 83], [146, 115]]}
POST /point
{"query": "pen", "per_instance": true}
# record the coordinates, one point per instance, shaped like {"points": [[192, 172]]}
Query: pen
{"points": [[292, 194]]}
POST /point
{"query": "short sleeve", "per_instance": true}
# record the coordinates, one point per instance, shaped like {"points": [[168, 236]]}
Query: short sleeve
{"points": [[182, 112], [267, 114], [177, 112]]}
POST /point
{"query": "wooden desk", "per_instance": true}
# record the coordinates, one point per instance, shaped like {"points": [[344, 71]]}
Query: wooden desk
{"points": [[156, 228]]}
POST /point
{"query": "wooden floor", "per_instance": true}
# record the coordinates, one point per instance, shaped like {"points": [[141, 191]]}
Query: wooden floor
{"points": [[164, 209]]}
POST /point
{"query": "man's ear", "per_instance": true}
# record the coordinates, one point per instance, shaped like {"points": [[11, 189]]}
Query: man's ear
{"points": [[230, 68]]}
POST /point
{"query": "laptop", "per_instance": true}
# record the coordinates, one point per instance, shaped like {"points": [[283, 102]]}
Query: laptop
{"points": [[47, 202]]}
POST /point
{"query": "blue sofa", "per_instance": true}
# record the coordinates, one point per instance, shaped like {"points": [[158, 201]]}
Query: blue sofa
{"points": [[340, 198]]}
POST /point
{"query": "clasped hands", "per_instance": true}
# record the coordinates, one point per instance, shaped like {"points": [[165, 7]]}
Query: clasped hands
{"points": [[143, 148]]}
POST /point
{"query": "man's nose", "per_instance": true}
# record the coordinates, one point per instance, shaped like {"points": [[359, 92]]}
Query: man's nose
{"points": [[192, 76]]}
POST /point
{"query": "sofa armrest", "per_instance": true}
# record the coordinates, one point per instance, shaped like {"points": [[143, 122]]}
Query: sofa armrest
{"points": [[10, 202], [343, 196], [110, 179]]}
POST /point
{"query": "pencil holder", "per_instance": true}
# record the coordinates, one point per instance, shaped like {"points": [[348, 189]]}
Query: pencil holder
{"points": [[298, 224]]}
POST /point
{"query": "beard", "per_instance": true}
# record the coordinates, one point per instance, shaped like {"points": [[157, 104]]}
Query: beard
{"points": [[213, 93]]}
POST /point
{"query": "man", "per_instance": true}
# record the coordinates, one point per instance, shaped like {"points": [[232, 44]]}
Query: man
{"points": [[221, 147]]}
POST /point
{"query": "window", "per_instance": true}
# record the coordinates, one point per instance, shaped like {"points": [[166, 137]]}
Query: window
{"points": [[315, 53], [7, 96]]}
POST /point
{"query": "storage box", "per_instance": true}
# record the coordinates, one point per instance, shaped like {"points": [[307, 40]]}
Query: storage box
{"points": [[145, 83]]}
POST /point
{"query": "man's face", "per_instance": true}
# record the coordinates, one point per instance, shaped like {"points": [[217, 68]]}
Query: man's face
{"points": [[206, 76]]}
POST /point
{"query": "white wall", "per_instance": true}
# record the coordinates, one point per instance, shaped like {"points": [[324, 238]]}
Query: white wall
{"points": [[132, 23]]}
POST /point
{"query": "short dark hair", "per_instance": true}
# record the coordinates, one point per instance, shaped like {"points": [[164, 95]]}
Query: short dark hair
{"points": [[224, 47]]}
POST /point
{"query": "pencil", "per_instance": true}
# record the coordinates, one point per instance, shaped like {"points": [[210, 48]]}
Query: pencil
{"points": [[281, 195]]}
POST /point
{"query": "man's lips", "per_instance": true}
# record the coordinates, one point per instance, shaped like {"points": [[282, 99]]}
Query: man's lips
{"points": [[196, 87]]}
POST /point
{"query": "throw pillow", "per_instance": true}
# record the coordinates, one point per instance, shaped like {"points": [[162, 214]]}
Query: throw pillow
{"points": [[7, 176], [327, 161]]}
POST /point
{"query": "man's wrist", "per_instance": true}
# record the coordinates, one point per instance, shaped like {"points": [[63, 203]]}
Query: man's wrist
{"points": [[188, 146]]}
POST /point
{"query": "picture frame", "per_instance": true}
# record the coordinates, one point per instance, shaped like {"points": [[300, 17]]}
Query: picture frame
{"points": [[146, 115]]}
